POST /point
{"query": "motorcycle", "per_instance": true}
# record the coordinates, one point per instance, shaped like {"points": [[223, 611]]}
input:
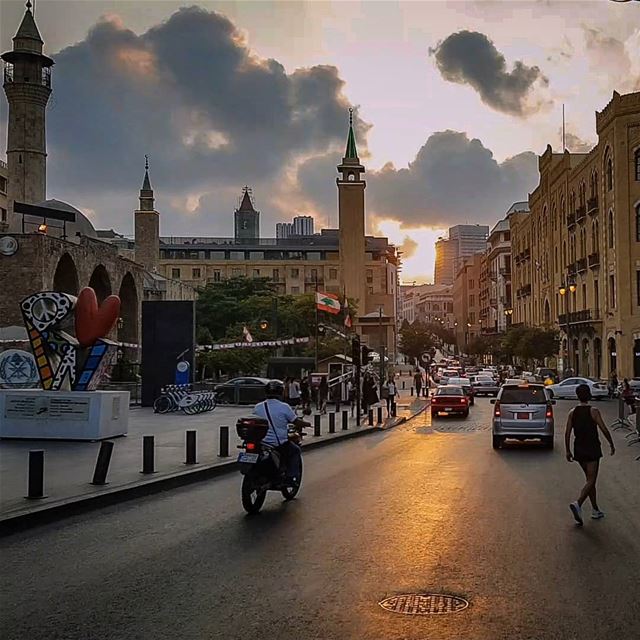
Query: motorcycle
{"points": [[262, 465]]}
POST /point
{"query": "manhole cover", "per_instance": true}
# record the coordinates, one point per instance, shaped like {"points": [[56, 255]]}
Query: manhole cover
{"points": [[424, 604]]}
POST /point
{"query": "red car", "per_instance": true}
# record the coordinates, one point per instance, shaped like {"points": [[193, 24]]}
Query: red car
{"points": [[449, 400]]}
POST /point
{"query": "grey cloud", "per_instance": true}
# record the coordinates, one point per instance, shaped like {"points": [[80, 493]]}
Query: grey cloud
{"points": [[576, 144], [191, 94], [469, 57], [612, 58], [453, 179]]}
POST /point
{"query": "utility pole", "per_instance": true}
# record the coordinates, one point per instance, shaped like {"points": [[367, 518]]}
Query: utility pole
{"points": [[316, 338], [382, 350]]}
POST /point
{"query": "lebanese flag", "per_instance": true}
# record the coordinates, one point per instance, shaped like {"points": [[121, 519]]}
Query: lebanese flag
{"points": [[328, 302], [347, 315], [247, 336]]}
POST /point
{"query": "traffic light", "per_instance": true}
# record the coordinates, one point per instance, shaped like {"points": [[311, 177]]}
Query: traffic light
{"points": [[355, 351]]}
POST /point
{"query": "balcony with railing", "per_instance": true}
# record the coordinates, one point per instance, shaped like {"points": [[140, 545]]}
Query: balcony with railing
{"points": [[526, 254], [581, 214], [579, 317], [505, 272], [571, 220], [581, 265], [592, 206], [9, 75], [493, 302], [594, 260], [572, 269]]}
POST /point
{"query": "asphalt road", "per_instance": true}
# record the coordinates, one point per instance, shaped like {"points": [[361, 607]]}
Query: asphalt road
{"points": [[412, 510]]}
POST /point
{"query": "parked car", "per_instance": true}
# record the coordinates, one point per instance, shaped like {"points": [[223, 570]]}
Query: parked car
{"points": [[466, 385], [244, 390], [449, 400], [567, 388], [524, 412], [484, 386]]}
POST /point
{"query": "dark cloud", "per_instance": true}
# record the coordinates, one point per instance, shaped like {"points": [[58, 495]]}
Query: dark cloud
{"points": [[469, 57], [191, 94], [453, 179]]}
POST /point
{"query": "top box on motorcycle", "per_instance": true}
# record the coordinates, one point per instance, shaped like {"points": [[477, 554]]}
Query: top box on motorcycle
{"points": [[252, 429]]}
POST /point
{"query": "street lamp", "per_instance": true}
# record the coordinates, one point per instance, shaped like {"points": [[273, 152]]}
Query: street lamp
{"points": [[562, 290]]}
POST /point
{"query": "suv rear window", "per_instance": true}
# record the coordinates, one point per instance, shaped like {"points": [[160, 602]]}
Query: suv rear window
{"points": [[523, 395]]}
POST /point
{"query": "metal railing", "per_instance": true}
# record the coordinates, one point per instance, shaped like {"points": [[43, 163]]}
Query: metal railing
{"points": [[594, 259], [571, 219], [581, 265], [581, 213], [592, 205], [575, 317]]}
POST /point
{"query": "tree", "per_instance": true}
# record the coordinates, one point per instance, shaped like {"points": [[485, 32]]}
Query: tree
{"points": [[415, 339]]}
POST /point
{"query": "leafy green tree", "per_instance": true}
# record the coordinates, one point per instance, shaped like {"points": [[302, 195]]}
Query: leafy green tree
{"points": [[415, 339]]}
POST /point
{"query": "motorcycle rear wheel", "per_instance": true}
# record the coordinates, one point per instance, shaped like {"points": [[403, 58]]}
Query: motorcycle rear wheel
{"points": [[289, 493], [252, 498]]}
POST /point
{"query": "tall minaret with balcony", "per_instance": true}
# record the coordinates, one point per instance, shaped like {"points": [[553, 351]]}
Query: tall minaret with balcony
{"points": [[351, 188], [147, 226], [27, 85]]}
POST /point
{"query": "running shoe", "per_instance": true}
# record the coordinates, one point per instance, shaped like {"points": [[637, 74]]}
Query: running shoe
{"points": [[577, 512], [597, 514]]}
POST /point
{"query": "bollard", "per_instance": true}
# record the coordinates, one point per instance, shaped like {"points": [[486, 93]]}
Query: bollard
{"points": [[102, 463], [345, 420], [224, 442], [148, 462], [36, 474], [317, 429], [621, 408], [379, 415], [191, 447], [332, 422], [403, 387], [371, 417], [411, 390]]}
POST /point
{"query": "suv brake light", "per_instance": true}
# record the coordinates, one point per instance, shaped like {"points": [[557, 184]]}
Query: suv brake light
{"points": [[549, 413], [496, 411]]}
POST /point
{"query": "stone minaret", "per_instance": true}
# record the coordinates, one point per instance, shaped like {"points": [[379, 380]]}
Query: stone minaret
{"points": [[147, 226], [351, 188], [246, 220], [27, 84]]}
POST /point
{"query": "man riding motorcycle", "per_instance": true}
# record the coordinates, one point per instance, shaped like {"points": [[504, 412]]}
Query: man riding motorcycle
{"points": [[280, 415]]}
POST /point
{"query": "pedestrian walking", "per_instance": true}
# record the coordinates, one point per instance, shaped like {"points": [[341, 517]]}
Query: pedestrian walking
{"points": [[323, 394], [391, 396], [305, 393], [417, 382], [628, 395], [294, 393], [613, 384], [585, 420]]}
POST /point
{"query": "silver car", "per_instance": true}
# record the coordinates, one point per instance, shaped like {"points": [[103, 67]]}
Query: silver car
{"points": [[484, 386], [523, 412]]}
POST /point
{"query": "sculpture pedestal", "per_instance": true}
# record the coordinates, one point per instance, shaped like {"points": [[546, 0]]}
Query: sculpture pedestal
{"points": [[63, 415]]}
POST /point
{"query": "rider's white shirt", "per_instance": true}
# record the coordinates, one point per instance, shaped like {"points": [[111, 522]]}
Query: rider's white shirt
{"points": [[281, 415]]}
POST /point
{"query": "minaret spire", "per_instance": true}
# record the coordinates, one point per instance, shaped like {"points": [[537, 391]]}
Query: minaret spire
{"points": [[146, 193], [351, 153]]}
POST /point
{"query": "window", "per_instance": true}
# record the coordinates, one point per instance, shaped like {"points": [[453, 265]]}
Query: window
{"points": [[276, 274], [556, 259], [472, 301], [584, 296], [313, 255], [594, 237], [217, 276], [636, 164], [3, 214], [370, 289], [611, 230], [637, 222], [612, 291], [195, 273], [175, 274], [295, 273], [256, 255], [470, 284], [3, 184], [369, 276], [295, 289], [507, 236], [236, 273], [236, 255], [333, 274], [472, 317], [609, 170], [217, 255]]}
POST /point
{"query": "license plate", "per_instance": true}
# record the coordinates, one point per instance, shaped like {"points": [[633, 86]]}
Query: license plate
{"points": [[448, 409], [522, 416], [250, 458]]}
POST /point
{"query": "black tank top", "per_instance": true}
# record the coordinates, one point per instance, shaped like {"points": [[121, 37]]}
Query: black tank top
{"points": [[585, 430]]}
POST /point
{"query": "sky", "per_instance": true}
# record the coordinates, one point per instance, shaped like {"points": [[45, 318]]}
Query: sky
{"points": [[453, 102]]}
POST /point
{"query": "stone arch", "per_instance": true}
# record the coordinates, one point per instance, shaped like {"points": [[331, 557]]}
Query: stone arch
{"points": [[128, 321], [65, 278], [100, 282]]}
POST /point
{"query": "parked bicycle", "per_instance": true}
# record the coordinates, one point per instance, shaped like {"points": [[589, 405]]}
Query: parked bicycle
{"points": [[181, 397]]}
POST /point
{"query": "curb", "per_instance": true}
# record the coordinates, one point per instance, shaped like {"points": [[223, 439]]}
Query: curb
{"points": [[123, 493]]}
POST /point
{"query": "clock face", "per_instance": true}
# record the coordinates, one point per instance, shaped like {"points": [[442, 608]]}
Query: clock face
{"points": [[8, 245]]}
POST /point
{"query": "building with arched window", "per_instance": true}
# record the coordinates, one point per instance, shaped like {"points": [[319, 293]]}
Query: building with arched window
{"points": [[593, 291]]}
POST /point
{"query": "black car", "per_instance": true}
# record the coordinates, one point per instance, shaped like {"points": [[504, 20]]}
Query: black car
{"points": [[245, 390]]}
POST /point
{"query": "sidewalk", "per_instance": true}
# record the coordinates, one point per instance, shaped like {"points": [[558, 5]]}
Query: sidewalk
{"points": [[69, 465]]}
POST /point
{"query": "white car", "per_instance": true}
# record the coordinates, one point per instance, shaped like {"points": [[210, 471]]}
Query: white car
{"points": [[567, 388]]}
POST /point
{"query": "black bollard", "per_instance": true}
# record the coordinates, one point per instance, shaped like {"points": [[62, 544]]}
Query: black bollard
{"points": [[345, 420], [148, 453], [332, 423], [403, 387], [191, 447], [411, 390], [224, 442], [371, 417], [102, 463], [317, 429], [36, 474], [379, 415]]}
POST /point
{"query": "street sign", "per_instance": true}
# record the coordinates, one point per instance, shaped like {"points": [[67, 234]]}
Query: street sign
{"points": [[425, 358]]}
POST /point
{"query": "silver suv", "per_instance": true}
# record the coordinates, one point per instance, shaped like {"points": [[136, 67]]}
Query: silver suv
{"points": [[523, 411]]}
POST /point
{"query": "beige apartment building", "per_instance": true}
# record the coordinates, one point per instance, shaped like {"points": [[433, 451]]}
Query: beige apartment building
{"points": [[466, 300], [576, 255]]}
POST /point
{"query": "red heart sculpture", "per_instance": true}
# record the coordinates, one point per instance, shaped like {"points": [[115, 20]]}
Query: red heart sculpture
{"points": [[93, 322]]}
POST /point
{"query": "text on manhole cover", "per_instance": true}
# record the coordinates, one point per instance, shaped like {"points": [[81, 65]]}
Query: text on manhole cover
{"points": [[424, 604]]}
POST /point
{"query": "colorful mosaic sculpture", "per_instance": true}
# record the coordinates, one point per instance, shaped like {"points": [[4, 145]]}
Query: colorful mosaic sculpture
{"points": [[65, 362]]}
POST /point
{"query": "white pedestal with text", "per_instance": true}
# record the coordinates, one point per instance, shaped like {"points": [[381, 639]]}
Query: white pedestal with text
{"points": [[63, 415]]}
